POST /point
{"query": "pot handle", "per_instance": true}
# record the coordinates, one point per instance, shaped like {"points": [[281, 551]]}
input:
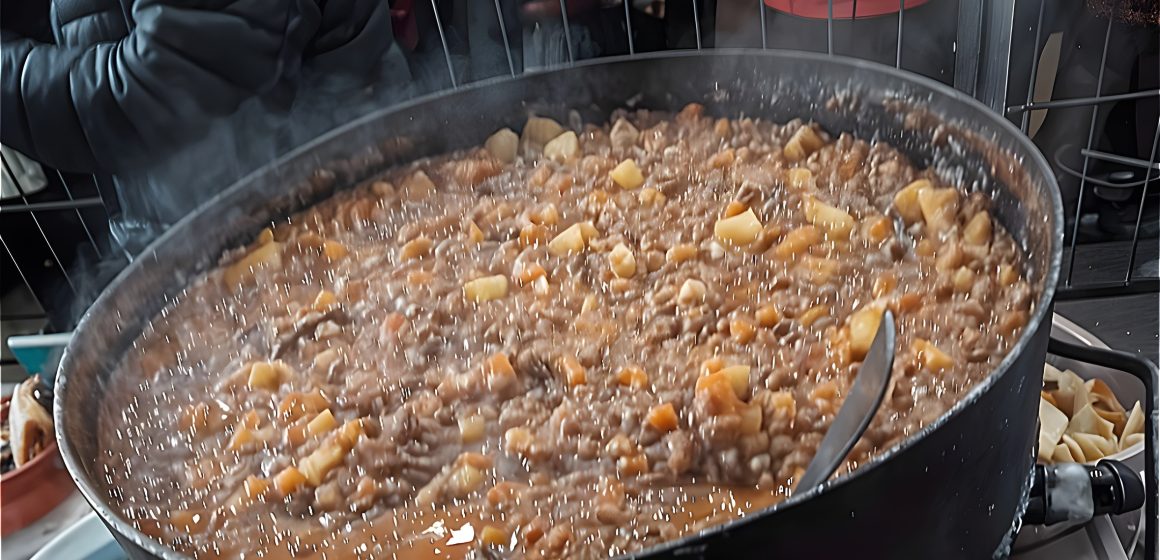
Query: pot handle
{"points": [[1113, 479]]}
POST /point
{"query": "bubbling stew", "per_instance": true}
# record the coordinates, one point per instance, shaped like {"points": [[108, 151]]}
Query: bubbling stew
{"points": [[564, 343]]}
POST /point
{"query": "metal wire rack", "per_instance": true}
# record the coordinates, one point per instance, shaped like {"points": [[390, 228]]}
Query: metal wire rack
{"points": [[990, 62]]}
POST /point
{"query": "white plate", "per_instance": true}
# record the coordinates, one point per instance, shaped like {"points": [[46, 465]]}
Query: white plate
{"points": [[87, 539]]}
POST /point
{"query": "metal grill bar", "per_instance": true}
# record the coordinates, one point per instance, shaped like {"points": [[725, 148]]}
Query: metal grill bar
{"points": [[443, 41], [628, 28], [1082, 101], [74, 204], [1090, 139], [36, 221], [1143, 197], [507, 48], [567, 31], [898, 47], [761, 10], [696, 22], [830, 27], [17, 263], [1125, 160], [1025, 123], [81, 218]]}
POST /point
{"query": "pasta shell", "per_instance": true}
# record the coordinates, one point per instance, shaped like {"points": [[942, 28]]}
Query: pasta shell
{"points": [[1135, 424], [1086, 421], [1052, 425], [1094, 447]]}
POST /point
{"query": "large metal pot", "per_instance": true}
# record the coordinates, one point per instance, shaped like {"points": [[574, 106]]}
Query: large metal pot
{"points": [[953, 490]]}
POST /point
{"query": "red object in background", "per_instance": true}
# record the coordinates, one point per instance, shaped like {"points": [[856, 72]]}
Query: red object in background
{"points": [[35, 488], [403, 24], [843, 9]]}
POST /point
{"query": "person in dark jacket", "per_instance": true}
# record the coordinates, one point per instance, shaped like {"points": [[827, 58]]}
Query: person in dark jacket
{"points": [[176, 99]]}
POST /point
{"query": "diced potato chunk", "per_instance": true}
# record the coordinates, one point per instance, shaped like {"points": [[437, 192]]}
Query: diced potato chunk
{"points": [[939, 207], [1008, 275], [663, 418], [503, 145], [738, 377], [532, 234], [349, 433], [819, 270], [289, 480], [269, 254], [493, 537], [784, 404], [322, 423], [692, 293], [518, 441], [799, 178], [803, 143], [931, 357], [317, 465], [486, 288], [963, 280], [742, 330], [296, 404], [574, 372], [588, 230], [797, 241], [465, 480], [712, 365], [563, 147], [836, 222], [632, 376], [547, 216], [539, 131], [681, 253], [906, 201], [751, 418], [741, 229], [863, 326], [417, 188], [724, 158], [978, 230], [884, 284], [472, 428], [334, 250], [621, 261], [877, 229], [734, 208], [415, 248], [717, 393], [825, 391], [530, 273], [650, 197], [768, 316], [627, 175], [631, 465], [474, 234], [569, 241], [268, 375], [813, 314], [255, 487], [241, 437]]}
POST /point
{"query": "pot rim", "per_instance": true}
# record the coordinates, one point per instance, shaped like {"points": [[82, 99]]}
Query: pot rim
{"points": [[127, 530]]}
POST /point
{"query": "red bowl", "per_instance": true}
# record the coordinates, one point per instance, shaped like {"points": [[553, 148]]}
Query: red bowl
{"points": [[819, 9], [35, 488]]}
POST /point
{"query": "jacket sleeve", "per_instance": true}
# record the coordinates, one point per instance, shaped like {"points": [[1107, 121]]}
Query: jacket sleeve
{"points": [[108, 106]]}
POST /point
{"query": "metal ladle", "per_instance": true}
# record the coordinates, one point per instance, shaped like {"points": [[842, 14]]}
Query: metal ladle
{"points": [[858, 408]]}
